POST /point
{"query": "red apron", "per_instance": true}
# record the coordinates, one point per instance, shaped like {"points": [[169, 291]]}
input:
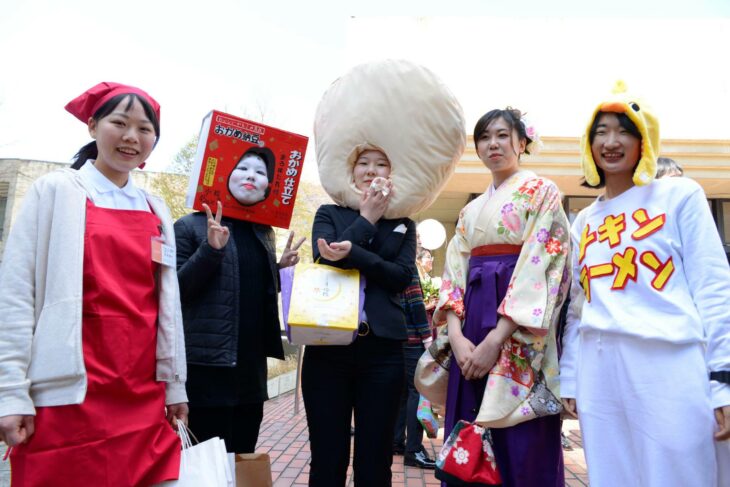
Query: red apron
{"points": [[118, 436]]}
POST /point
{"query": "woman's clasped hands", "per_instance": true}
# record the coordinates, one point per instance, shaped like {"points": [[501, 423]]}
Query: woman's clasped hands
{"points": [[475, 361]]}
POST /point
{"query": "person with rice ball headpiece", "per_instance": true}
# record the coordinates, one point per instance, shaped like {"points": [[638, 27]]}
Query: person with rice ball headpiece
{"points": [[503, 284], [646, 356], [388, 135]]}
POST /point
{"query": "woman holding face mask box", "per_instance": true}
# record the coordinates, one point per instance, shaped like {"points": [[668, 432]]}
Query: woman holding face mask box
{"points": [[229, 283]]}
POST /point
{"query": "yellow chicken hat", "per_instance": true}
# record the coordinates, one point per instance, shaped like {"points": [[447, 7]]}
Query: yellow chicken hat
{"points": [[643, 117]]}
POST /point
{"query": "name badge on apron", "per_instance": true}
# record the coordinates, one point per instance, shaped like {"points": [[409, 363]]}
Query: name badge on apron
{"points": [[162, 253]]}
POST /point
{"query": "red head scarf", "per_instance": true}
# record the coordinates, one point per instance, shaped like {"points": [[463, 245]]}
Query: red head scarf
{"points": [[85, 105]]}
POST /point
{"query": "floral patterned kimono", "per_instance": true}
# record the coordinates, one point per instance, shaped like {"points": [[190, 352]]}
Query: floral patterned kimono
{"points": [[508, 258]]}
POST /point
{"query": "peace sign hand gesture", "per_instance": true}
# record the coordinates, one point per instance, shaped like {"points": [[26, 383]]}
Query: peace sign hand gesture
{"points": [[291, 254], [217, 234]]}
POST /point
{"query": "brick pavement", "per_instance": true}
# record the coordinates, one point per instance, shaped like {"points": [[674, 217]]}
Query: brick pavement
{"points": [[284, 437]]}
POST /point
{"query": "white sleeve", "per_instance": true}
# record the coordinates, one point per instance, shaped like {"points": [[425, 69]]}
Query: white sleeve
{"points": [[571, 337], [708, 276], [17, 302]]}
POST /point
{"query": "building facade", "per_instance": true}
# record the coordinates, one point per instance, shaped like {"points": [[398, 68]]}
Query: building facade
{"points": [[705, 161], [16, 177]]}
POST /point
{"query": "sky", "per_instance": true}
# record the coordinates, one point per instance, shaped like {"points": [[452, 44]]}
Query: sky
{"points": [[554, 60]]}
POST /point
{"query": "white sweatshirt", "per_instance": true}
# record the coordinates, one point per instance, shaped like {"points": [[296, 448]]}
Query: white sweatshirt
{"points": [[649, 264]]}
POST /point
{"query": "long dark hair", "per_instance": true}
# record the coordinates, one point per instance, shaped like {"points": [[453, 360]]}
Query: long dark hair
{"points": [[626, 124], [90, 150]]}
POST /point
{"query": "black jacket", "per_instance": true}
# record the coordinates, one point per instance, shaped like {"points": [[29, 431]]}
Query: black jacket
{"points": [[384, 253], [209, 291]]}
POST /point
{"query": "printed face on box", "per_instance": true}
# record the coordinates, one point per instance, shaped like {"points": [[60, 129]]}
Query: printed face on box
{"points": [[249, 180]]}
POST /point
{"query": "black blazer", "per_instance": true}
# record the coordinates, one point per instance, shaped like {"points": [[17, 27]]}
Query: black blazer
{"points": [[209, 292], [384, 253]]}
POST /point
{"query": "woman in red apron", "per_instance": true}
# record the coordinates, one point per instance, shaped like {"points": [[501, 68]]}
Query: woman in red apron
{"points": [[104, 424]]}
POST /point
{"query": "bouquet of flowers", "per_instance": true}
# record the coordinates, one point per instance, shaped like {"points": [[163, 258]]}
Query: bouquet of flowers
{"points": [[430, 286]]}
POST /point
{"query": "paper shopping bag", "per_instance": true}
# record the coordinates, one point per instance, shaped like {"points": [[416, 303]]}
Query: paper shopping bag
{"points": [[201, 465], [321, 304], [432, 371], [253, 470]]}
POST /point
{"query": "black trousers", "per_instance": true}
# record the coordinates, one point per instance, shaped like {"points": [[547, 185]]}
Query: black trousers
{"points": [[237, 425], [408, 430], [367, 377]]}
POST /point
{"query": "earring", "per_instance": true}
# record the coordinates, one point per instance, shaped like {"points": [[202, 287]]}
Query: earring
{"points": [[141, 166]]}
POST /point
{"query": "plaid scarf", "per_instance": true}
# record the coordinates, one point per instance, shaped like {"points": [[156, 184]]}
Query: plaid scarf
{"points": [[411, 299]]}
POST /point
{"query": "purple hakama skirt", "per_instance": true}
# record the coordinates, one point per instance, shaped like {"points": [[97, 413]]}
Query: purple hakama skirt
{"points": [[528, 454]]}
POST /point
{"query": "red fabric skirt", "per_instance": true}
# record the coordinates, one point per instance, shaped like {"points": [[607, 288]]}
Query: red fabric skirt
{"points": [[119, 435]]}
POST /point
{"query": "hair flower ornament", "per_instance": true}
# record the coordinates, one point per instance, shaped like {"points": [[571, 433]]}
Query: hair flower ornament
{"points": [[535, 143]]}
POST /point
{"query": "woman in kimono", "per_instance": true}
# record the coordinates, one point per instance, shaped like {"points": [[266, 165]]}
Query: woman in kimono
{"points": [[92, 353], [502, 289]]}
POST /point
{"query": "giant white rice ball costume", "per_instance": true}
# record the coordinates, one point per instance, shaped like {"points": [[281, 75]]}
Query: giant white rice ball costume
{"points": [[405, 111]]}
